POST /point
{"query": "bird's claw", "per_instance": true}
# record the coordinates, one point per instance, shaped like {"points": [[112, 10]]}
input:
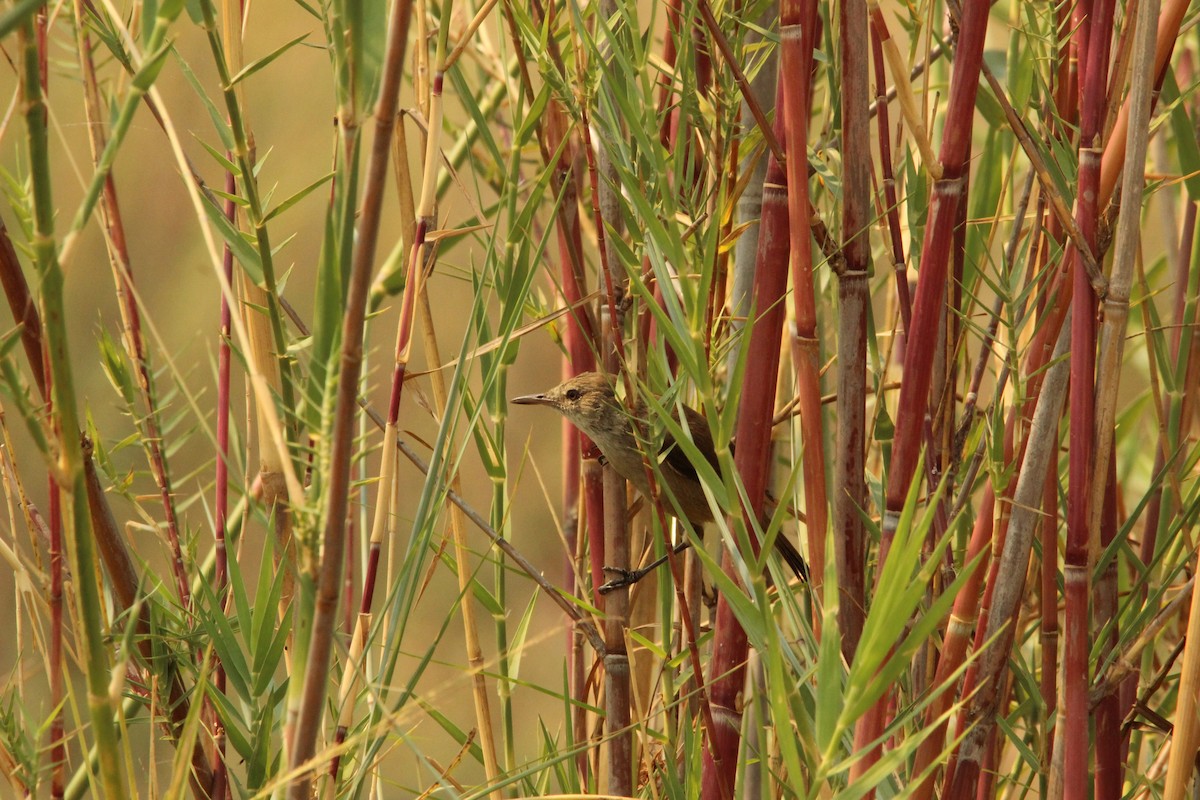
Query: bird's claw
{"points": [[624, 578]]}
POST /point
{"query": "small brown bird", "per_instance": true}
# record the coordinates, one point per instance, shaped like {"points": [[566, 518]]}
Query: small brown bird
{"points": [[589, 402]]}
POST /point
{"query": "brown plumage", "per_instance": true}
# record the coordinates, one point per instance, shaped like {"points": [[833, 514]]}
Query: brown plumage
{"points": [[589, 402]]}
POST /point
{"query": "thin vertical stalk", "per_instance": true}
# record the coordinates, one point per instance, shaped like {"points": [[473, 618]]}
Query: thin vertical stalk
{"points": [[617, 674], [130, 315], [1173, 407], [605, 201], [1185, 307], [68, 469], [316, 683], [226, 50], [1180, 766], [909, 108], [58, 750], [752, 172], [880, 34], [579, 337], [143, 81], [220, 784], [1049, 601], [668, 113], [24, 310], [355, 672], [574, 531], [268, 343], [471, 641], [749, 208], [1107, 704], [474, 650], [221, 502]]}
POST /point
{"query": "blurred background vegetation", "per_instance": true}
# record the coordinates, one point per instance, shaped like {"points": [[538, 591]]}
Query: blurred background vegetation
{"points": [[417, 211]]}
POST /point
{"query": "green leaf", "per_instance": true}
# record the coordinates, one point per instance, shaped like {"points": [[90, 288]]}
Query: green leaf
{"points": [[234, 724], [297, 197], [1184, 134], [169, 10], [517, 646], [147, 74], [215, 115], [829, 659], [227, 164], [255, 66], [225, 642], [112, 359], [242, 250]]}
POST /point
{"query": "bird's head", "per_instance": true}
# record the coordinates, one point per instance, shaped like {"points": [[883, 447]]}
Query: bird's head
{"points": [[588, 400]]}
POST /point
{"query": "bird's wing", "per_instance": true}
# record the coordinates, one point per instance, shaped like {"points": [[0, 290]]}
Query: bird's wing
{"points": [[673, 455]]}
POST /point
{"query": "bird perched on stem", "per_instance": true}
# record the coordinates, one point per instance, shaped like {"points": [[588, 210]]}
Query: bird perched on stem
{"points": [[589, 402]]}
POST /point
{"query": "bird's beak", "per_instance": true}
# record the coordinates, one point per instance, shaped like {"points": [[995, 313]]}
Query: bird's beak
{"points": [[532, 400]]}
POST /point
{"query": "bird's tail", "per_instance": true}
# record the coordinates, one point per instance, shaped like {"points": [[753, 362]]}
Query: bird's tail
{"points": [[789, 553]]}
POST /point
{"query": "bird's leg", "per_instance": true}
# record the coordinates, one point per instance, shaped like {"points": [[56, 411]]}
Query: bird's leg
{"points": [[628, 577], [591, 451]]}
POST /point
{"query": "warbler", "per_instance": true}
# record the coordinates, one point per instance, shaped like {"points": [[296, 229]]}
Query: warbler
{"points": [[590, 403]]}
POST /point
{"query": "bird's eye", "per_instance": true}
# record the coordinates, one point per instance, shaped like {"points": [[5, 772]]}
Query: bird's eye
{"points": [[572, 394]]}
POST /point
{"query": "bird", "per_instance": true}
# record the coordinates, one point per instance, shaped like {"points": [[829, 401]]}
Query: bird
{"points": [[590, 403]]}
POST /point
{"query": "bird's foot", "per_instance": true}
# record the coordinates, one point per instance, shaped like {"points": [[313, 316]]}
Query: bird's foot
{"points": [[622, 579]]}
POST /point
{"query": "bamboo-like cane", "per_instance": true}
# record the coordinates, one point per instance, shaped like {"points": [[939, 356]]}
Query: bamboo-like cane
{"points": [[931, 290], [797, 22], [1043, 442], [1111, 348], [849, 487], [1184, 738], [1169, 21], [982, 707], [753, 437], [1081, 543]]}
